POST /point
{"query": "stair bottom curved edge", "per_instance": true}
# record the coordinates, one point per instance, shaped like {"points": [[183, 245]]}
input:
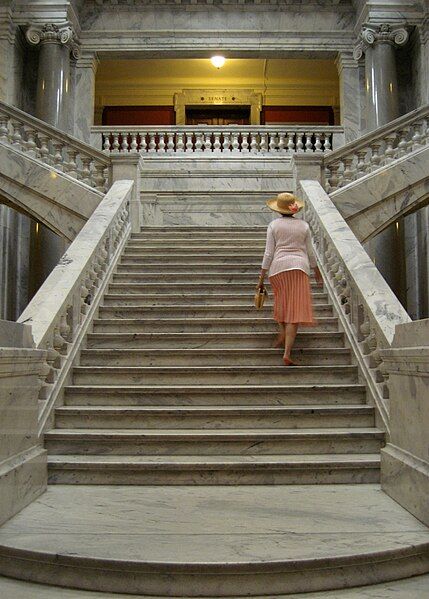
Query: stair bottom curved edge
{"points": [[216, 579]]}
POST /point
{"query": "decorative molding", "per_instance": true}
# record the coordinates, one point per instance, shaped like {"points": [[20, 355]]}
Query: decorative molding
{"points": [[371, 35], [88, 60], [51, 33], [346, 60]]}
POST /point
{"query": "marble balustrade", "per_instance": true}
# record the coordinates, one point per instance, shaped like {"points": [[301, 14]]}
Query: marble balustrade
{"points": [[53, 147], [232, 139], [368, 309], [63, 307], [377, 148]]}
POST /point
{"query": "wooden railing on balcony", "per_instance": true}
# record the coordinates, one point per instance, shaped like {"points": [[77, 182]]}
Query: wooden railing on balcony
{"points": [[229, 140]]}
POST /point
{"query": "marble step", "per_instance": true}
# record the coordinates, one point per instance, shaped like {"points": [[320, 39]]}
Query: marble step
{"points": [[201, 325], [214, 470], [203, 311], [213, 375], [255, 250], [144, 256], [213, 417], [184, 287], [213, 442], [229, 241], [203, 395], [232, 340], [204, 232], [211, 278], [200, 266], [187, 299], [211, 357]]}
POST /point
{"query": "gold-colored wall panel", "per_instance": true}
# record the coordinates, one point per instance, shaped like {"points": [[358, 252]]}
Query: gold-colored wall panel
{"points": [[281, 82]]}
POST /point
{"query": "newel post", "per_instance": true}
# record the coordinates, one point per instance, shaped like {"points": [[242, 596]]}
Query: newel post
{"points": [[307, 167], [128, 166]]}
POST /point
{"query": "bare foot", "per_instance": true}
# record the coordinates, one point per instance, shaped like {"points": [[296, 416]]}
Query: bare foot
{"points": [[288, 361]]}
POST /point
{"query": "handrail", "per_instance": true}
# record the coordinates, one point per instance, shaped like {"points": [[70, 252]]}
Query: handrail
{"points": [[228, 139], [53, 147], [61, 309], [377, 148], [370, 309]]}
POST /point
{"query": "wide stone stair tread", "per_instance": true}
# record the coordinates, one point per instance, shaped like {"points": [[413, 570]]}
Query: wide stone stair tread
{"points": [[218, 461], [222, 410]]}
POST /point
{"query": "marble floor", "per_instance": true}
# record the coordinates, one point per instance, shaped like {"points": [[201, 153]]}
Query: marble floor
{"points": [[211, 524]]}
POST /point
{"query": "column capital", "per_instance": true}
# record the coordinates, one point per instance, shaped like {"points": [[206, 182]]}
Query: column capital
{"points": [[371, 35], [52, 33], [88, 60]]}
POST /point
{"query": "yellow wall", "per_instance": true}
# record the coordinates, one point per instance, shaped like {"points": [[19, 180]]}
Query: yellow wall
{"points": [[282, 82]]}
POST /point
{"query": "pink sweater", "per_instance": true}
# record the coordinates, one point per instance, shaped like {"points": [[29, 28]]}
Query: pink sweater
{"points": [[288, 246]]}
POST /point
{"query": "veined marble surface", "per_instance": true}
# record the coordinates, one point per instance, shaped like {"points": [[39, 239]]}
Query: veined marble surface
{"points": [[385, 194], [213, 524], [409, 588], [61, 203]]}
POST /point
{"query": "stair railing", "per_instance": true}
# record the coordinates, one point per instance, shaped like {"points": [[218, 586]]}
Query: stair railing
{"points": [[376, 149], [59, 150], [62, 310], [368, 309]]}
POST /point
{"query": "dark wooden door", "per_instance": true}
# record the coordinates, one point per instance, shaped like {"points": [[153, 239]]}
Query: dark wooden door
{"points": [[218, 116]]}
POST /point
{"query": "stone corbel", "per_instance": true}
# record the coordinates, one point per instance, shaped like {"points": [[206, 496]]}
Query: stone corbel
{"points": [[395, 35], [51, 33]]}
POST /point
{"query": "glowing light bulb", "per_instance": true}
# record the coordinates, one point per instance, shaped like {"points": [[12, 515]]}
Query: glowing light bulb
{"points": [[218, 61]]}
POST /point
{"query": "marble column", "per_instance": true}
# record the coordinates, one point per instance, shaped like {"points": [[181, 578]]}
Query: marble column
{"points": [[348, 73], [378, 43], [86, 68], [53, 104]]}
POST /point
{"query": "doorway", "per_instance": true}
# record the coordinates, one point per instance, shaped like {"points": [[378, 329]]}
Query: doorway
{"points": [[218, 115]]}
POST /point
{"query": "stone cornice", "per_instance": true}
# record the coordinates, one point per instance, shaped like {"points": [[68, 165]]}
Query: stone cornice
{"points": [[88, 60], [345, 60], [39, 13], [384, 33], [395, 12]]}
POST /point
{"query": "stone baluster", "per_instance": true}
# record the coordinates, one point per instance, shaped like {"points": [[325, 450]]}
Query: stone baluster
{"points": [[389, 152], [334, 178], [170, 142], [402, 147], [318, 143], [207, 142], [348, 170], [17, 141], [375, 156], [244, 142], [235, 144], [152, 143], [189, 142], [4, 129], [124, 144], [272, 144], [198, 142], [143, 142], [226, 145], [180, 144], [58, 154], [282, 142], [361, 165], [417, 137], [161, 142], [326, 143], [253, 143], [216, 143], [263, 142], [308, 142], [98, 178], [71, 166], [115, 142], [85, 170], [30, 143], [299, 143], [133, 145], [44, 148], [290, 142], [106, 143]]}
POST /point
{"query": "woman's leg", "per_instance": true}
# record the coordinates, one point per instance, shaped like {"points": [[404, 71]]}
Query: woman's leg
{"points": [[291, 330], [280, 341]]}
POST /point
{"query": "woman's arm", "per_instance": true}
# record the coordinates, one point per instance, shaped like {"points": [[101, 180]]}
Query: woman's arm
{"points": [[268, 255]]}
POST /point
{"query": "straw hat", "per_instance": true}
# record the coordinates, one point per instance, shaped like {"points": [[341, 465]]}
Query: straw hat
{"points": [[283, 203]]}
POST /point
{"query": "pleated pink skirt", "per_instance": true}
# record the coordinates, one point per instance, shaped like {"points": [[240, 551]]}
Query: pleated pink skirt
{"points": [[292, 297]]}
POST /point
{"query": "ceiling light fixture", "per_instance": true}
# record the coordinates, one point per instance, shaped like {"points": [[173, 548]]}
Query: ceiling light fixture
{"points": [[218, 61]]}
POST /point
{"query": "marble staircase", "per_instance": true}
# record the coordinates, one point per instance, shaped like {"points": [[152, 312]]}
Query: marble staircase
{"points": [[178, 382]]}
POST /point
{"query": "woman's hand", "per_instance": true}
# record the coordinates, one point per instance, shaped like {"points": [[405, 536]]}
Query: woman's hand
{"points": [[260, 283], [318, 276]]}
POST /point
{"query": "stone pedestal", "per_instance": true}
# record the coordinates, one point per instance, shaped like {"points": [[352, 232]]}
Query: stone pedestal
{"points": [[350, 117], [405, 459], [23, 469]]}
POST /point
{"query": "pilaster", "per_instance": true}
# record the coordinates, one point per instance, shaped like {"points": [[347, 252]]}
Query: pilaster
{"points": [[84, 95], [350, 101]]}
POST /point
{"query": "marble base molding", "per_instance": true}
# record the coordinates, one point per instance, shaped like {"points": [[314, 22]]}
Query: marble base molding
{"points": [[405, 459], [23, 470]]}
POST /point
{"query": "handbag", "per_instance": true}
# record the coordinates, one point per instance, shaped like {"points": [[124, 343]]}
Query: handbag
{"points": [[260, 296]]}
